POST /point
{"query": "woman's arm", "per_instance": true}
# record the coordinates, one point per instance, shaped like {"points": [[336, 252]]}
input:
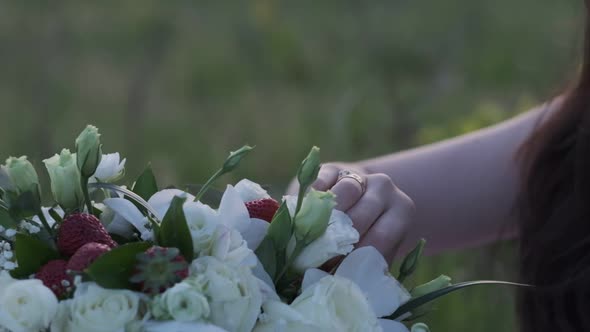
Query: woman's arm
{"points": [[464, 188]]}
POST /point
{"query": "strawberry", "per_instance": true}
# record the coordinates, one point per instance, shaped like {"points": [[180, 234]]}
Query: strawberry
{"points": [[79, 229], [87, 254], [158, 269], [264, 209], [54, 276]]}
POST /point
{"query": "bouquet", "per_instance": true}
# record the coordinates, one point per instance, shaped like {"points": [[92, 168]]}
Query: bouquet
{"points": [[104, 257]]}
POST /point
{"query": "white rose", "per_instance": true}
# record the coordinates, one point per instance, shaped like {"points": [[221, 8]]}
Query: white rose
{"points": [[25, 305], [278, 316], [110, 169], [337, 303], [364, 272], [233, 293], [250, 191], [184, 302], [96, 309], [229, 246], [202, 223], [172, 326], [211, 237]]}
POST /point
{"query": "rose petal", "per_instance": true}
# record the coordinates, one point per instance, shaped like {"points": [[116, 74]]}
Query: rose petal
{"points": [[311, 277]]}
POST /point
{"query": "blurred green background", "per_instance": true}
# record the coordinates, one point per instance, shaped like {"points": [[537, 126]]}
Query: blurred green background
{"points": [[180, 83]]}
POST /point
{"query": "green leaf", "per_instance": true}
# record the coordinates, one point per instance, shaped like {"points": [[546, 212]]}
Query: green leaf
{"points": [[410, 262], [146, 185], [25, 205], [31, 253], [422, 300], [114, 268], [6, 220], [174, 231], [281, 228], [267, 255]]}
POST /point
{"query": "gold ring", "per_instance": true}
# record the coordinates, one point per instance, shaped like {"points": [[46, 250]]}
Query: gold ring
{"points": [[346, 174]]}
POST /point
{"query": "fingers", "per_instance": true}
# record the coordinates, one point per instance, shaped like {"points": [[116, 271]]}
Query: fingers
{"points": [[327, 177], [348, 192], [389, 229], [368, 209]]}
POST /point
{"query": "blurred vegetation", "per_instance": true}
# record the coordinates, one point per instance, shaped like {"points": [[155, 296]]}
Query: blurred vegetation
{"points": [[180, 83]]}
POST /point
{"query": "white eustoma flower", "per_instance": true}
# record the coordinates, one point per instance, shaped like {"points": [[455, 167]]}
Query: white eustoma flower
{"points": [[250, 191], [368, 270], [184, 302], [233, 213], [110, 169], [121, 217], [25, 305], [338, 239], [361, 291], [232, 291], [96, 309], [65, 179]]}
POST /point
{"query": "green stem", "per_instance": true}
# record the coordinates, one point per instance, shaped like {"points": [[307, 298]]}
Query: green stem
{"points": [[86, 194], [299, 201], [208, 184], [298, 249], [45, 223]]}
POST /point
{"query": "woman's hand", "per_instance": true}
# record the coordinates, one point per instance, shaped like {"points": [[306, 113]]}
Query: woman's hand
{"points": [[380, 212]]}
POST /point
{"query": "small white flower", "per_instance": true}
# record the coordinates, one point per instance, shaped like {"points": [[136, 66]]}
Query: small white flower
{"points": [[185, 302], [6, 257], [110, 169], [11, 232], [25, 305], [96, 309]]}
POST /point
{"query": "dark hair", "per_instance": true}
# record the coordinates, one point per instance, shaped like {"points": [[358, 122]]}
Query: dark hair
{"points": [[555, 214]]}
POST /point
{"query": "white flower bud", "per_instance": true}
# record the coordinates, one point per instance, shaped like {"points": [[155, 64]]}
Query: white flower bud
{"points": [[65, 179]]}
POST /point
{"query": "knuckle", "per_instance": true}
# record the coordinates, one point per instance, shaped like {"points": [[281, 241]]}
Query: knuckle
{"points": [[382, 181], [407, 204]]}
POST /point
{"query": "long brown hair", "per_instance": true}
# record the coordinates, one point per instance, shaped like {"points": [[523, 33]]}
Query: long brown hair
{"points": [[555, 214]]}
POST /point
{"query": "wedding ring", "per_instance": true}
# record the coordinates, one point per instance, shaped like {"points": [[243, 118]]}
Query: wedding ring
{"points": [[346, 174]]}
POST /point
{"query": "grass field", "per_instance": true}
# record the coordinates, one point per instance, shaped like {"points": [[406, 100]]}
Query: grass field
{"points": [[180, 83]]}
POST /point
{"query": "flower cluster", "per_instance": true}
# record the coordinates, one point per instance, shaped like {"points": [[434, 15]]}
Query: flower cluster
{"points": [[105, 257]]}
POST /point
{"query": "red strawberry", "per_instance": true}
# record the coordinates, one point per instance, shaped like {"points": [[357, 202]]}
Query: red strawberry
{"points": [[158, 269], [264, 209], [79, 229], [87, 254], [54, 276]]}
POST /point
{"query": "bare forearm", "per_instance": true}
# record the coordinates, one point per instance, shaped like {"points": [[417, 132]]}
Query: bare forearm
{"points": [[464, 188]]}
